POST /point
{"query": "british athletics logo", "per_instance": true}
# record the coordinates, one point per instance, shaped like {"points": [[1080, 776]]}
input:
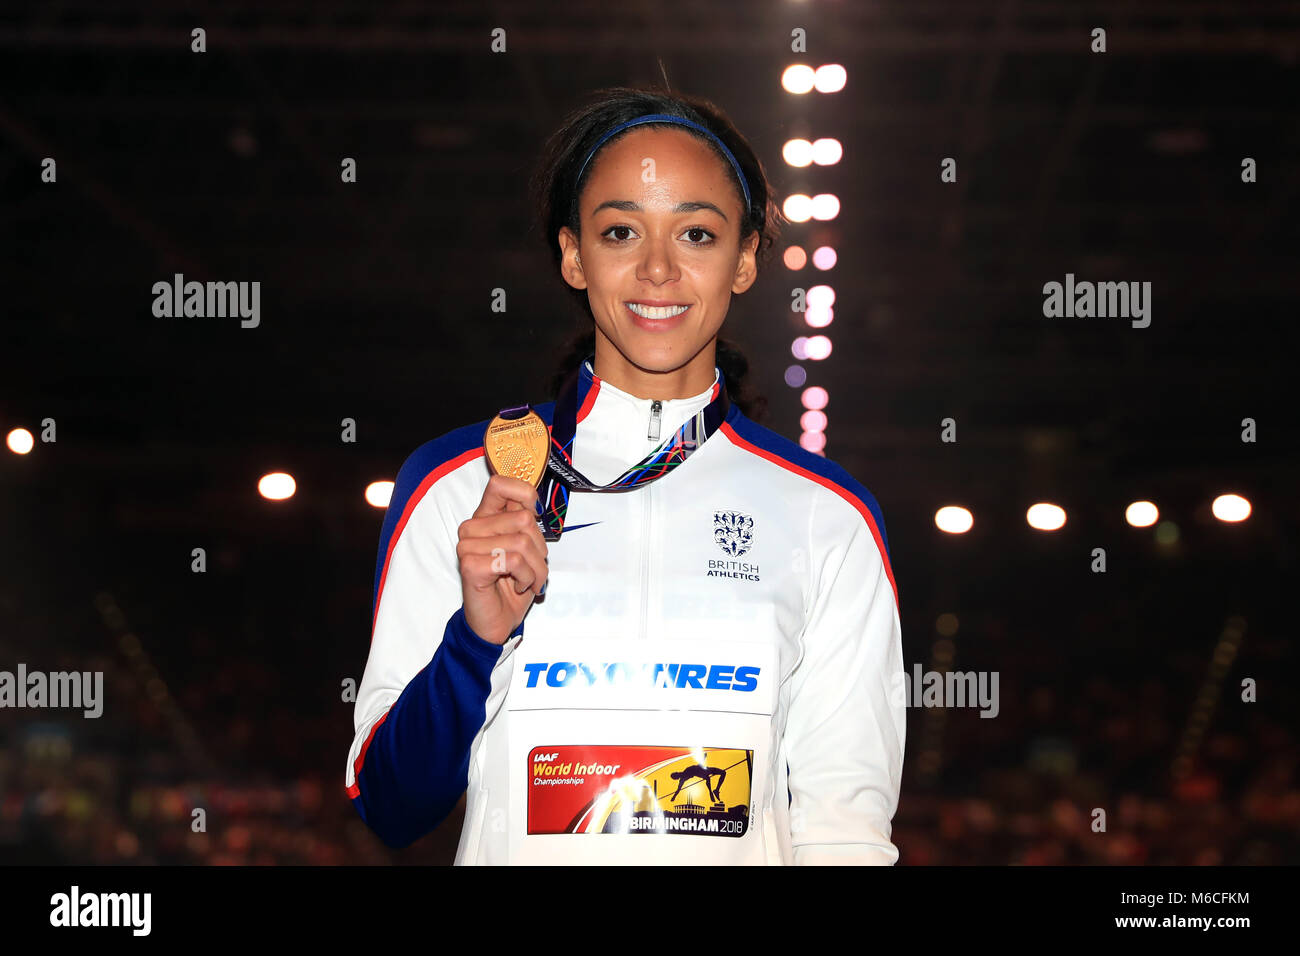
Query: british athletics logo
{"points": [[616, 674]]}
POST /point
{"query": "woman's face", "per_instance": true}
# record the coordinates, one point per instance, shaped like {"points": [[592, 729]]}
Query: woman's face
{"points": [[661, 217]]}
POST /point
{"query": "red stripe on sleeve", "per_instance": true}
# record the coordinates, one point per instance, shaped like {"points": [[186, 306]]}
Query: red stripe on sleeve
{"points": [[355, 790], [416, 497]]}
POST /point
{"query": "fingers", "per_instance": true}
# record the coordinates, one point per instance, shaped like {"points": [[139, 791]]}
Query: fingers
{"points": [[480, 571], [504, 522], [501, 490], [503, 538], [519, 554]]}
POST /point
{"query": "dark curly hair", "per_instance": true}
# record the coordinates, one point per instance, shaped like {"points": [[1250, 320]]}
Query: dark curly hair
{"points": [[556, 189]]}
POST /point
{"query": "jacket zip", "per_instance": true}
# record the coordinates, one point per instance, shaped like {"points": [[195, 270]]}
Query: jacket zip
{"points": [[655, 408]]}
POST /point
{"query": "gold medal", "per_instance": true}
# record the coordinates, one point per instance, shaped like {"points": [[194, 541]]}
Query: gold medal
{"points": [[518, 446]]}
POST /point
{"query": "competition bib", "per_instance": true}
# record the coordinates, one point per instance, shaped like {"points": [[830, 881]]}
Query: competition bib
{"points": [[627, 751], [616, 789]]}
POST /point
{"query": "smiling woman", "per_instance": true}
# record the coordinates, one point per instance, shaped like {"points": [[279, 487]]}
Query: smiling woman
{"points": [[712, 649], [666, 178]]}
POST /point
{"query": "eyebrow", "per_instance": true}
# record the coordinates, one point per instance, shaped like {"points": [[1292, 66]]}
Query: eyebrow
{"points": [[628, 206]]}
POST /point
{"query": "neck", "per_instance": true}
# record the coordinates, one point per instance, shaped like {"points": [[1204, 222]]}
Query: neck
{"points": [[695, 376]]}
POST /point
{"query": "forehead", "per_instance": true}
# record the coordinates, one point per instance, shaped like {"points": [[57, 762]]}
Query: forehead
{"points": [[675, 152]]}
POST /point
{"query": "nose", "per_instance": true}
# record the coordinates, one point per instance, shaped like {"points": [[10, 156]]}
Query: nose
{"points": [[658, 263]]}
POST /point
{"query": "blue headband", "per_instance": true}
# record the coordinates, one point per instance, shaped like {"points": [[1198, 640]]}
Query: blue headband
{"points": [[666, 118]]}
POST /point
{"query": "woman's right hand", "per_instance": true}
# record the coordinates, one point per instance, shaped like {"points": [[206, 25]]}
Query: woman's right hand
{"points": [[502, 558]]}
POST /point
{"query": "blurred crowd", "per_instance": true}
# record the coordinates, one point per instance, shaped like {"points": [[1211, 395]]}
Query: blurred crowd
{"points": [[225, 743], [1239, 804]]}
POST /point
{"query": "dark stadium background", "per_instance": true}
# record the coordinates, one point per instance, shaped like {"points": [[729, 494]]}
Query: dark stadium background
{"points": [[224, 689]]}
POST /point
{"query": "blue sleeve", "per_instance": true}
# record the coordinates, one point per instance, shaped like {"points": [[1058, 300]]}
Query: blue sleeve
{"points": [[416, 764]]}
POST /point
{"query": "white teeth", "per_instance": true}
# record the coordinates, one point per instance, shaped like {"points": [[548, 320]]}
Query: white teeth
{"points": [[659, 312]]}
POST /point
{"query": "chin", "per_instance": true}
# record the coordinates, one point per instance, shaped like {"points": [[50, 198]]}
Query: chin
{"points": [[658, 351], [654, 360]]}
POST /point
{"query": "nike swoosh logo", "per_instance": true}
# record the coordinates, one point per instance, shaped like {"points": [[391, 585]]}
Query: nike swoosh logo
{"points": [[575, 527]]}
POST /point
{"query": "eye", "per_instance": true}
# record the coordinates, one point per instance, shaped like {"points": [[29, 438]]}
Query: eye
{"points": [[692, 231], [706, 232], [612, 228]]}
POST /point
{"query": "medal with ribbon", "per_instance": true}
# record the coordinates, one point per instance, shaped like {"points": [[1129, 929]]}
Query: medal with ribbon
{"points": [[517, 444]]}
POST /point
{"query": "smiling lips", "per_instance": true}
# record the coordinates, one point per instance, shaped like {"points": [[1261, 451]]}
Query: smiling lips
{"points": [[655, 318], [656, 311]]}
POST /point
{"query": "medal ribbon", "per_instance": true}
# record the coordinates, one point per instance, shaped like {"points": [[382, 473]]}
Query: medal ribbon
{"points": [[561, 476]]}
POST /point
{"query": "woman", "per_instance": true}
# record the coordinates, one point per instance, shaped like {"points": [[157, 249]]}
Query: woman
{"points": [[694, 668]]}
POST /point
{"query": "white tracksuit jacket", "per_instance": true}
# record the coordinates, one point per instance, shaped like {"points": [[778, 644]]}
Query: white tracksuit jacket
{"points": [[705, 680]]}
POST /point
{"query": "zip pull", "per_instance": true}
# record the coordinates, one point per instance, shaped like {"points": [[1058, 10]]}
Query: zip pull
{"points": [[655, 407]]}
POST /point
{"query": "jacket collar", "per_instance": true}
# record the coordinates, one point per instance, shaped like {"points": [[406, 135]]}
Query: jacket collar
{"points": [[614, 426]]}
